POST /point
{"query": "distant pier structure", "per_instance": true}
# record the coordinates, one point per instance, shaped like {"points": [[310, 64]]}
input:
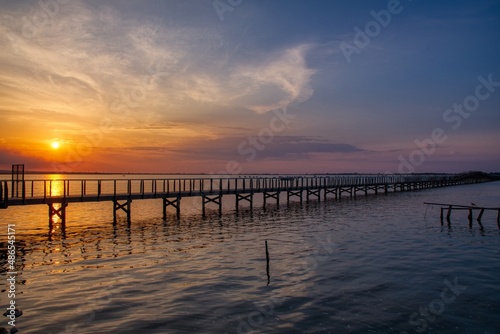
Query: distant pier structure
{"points": [[470, 208], [58, 194]]}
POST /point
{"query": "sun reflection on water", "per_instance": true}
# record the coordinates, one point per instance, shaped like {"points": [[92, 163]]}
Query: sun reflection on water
{"points": [[54, 185]]}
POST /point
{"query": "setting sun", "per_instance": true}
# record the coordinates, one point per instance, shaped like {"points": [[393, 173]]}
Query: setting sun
{"points": [[55, 145]]}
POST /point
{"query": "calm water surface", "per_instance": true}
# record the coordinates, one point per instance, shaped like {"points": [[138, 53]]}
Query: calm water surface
{"points": [[378, 264]]}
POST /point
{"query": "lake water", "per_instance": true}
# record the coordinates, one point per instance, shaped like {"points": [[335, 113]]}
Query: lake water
{"points": [[377, 264]]}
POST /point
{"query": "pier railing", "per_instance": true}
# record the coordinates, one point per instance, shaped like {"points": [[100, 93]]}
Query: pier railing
{"points": [[58, 193], [97, 188]]}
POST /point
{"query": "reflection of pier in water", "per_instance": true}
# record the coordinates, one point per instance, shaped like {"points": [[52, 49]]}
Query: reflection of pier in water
{"points": [[58, 194], [89, 246], [81, 243]]}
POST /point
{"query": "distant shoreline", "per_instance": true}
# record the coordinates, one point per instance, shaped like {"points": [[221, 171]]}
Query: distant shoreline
{"points": [[8, 172]]}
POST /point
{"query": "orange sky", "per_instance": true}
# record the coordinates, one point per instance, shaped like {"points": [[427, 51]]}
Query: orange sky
{"points": [[167, 87]]}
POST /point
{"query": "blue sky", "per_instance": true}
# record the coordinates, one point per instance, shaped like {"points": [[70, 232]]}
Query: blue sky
{"points": [[197, 86]]}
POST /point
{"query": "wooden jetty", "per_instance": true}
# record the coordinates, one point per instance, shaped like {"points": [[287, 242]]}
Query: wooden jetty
{"points": [[470, 208], [58, 194]]}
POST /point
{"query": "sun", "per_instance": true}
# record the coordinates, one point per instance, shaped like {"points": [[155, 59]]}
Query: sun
{"points": [[55, 145]]}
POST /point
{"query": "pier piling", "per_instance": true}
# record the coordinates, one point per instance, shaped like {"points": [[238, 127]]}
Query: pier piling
{"points": [[126, 207], [275, 195], [244, 197], [291, 193], [217, 199], [59, 212], [314, 192], [175, 203], [470, 215]]}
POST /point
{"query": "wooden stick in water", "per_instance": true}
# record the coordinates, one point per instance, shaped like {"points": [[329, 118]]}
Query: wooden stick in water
{"points": [[267, 265]]}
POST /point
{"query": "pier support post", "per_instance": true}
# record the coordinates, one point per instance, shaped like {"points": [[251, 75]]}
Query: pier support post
{"points": [[275, 195], [126, 207], [59, 212], [312, 193], [176, 203], [247, 197], [448, 215], [480, 216], [479, 219], [330, 191], [291, 193], [217, 199], [348, 190]]}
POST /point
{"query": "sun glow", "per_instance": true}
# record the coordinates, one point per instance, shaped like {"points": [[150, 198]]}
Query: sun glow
{"points": [[55, 145]]}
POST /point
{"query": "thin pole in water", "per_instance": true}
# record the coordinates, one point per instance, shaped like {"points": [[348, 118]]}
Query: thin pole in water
{"points": [[267, 265]]}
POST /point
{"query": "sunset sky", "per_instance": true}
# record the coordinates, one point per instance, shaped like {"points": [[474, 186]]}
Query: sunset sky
{"points": [[250, 86]]}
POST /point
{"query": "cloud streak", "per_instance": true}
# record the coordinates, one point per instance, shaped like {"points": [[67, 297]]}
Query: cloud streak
{"points": [[90, 56], [282, 147]]}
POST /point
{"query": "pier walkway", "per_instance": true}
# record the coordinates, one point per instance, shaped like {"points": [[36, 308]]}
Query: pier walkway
{"points": [[57, 194]]}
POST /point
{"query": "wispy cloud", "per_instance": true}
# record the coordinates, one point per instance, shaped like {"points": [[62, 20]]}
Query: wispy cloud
{"points": [[89, 58], [279, 82]]}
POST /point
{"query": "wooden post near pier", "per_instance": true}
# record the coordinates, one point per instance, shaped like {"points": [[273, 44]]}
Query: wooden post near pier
{"points": [[469, 208]]}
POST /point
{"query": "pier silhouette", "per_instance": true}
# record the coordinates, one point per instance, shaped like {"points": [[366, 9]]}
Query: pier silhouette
{"points": [[58, 194]]}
